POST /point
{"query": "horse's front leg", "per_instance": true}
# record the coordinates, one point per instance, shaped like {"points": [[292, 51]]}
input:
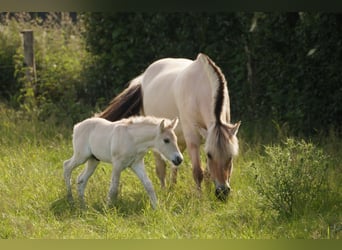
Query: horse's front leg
{"points": [[160, 168], [139, 169], [194, 152]]}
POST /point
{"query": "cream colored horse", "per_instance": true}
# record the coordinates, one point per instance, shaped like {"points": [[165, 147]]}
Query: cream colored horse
{"points": [[196, 92], [122, 143]]}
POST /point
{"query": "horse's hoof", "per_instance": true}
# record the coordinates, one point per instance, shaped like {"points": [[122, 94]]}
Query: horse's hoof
{"points": [[222, 193]]}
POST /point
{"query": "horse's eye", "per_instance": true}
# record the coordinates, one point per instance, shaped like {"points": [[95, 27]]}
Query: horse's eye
{"points": [[209, 156], [167, 140]]}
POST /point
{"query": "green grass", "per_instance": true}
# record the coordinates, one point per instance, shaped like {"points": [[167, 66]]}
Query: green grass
{"points": [[33, 205]]}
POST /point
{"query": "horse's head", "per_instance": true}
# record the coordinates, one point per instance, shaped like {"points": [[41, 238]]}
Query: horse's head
{"points": [[220, 147], [166, 142]]}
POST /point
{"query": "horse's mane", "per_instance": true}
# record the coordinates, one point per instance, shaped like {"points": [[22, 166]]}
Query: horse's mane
{"points": [[226, 144], [221, 131], [218, 82]]}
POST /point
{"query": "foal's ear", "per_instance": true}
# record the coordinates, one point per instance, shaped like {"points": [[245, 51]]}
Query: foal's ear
{"points": [[235, 128], [162, 126], [174, 123]]}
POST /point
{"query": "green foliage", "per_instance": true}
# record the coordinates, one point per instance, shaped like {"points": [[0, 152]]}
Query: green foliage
{"points": [[281, 67], [9, 43], [59, 57], [296, 59], [293, 177]]}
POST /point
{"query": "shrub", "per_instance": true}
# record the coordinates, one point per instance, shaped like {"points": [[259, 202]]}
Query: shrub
{"points": [[293, 177], [9, 42], [60, 56]]}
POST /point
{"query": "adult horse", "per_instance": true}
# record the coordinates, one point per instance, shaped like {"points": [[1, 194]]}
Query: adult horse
{"points": [[196, 92]]}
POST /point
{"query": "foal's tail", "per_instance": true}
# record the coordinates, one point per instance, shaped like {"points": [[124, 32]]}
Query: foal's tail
{"points": [[129, 102]]}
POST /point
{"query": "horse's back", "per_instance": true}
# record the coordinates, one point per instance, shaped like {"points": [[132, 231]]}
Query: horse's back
{"points": [[166, 68], [158, 84]]}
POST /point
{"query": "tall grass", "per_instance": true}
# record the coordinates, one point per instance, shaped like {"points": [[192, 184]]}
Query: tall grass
{"points": [[33, 204]]}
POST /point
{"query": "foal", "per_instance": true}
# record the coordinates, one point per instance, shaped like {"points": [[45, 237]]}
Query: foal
{"points": [[124, 144]]}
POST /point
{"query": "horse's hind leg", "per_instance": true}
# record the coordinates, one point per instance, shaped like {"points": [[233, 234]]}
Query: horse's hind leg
{"points": [[69, 166], [83, 178]]}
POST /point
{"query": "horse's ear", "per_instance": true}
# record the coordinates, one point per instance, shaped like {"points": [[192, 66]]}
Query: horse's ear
{"points": [[162, 126], [203, 58], [235, 128], [174, 123]]}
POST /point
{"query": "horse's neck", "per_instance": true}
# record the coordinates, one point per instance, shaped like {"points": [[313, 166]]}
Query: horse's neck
{"points": [[143, 135]]}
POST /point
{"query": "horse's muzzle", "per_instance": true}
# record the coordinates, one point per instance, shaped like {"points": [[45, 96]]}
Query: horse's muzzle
{"points": [[222, 193], [177, 160]]}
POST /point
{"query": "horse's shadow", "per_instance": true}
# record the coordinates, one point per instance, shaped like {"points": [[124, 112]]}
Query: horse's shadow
{"points": [[62, 208]]}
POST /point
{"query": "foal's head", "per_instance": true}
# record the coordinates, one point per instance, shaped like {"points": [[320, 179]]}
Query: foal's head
{"points": [[166, 142], [220, 147]]}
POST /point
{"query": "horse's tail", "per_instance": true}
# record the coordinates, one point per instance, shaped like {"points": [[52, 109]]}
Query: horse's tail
{"points": [[127, 103]]}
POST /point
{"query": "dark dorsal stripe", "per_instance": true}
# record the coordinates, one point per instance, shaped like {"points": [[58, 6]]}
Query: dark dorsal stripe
{"points": [[219, 98]]}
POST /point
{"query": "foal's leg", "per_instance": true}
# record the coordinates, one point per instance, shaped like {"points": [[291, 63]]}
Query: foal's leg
{"points": [[83, 178], [114, 185], [139, 170], [69, 166]]}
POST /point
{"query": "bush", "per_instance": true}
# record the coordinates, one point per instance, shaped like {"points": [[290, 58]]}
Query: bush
{"points": [[60, 56], [9, 42], [293, 177]]}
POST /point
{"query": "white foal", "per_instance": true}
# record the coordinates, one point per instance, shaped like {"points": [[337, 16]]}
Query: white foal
{"points": [[124, 144]]}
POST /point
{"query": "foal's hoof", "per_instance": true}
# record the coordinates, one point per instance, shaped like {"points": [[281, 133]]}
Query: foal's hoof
{"points": [[111, 203], [83, 205], [70, 199]]}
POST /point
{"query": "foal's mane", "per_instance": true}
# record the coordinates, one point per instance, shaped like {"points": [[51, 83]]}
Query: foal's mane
{"points": [[145, 120]]}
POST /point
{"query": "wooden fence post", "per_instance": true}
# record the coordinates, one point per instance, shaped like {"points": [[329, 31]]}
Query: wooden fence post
{"points": [[29, 61]]}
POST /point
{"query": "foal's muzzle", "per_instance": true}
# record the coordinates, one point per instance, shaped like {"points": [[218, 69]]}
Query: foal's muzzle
{"points": [[222, 192], [177, 160]]}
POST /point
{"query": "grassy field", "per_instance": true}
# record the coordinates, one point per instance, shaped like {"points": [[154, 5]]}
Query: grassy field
{"points": [[33, 205]]}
